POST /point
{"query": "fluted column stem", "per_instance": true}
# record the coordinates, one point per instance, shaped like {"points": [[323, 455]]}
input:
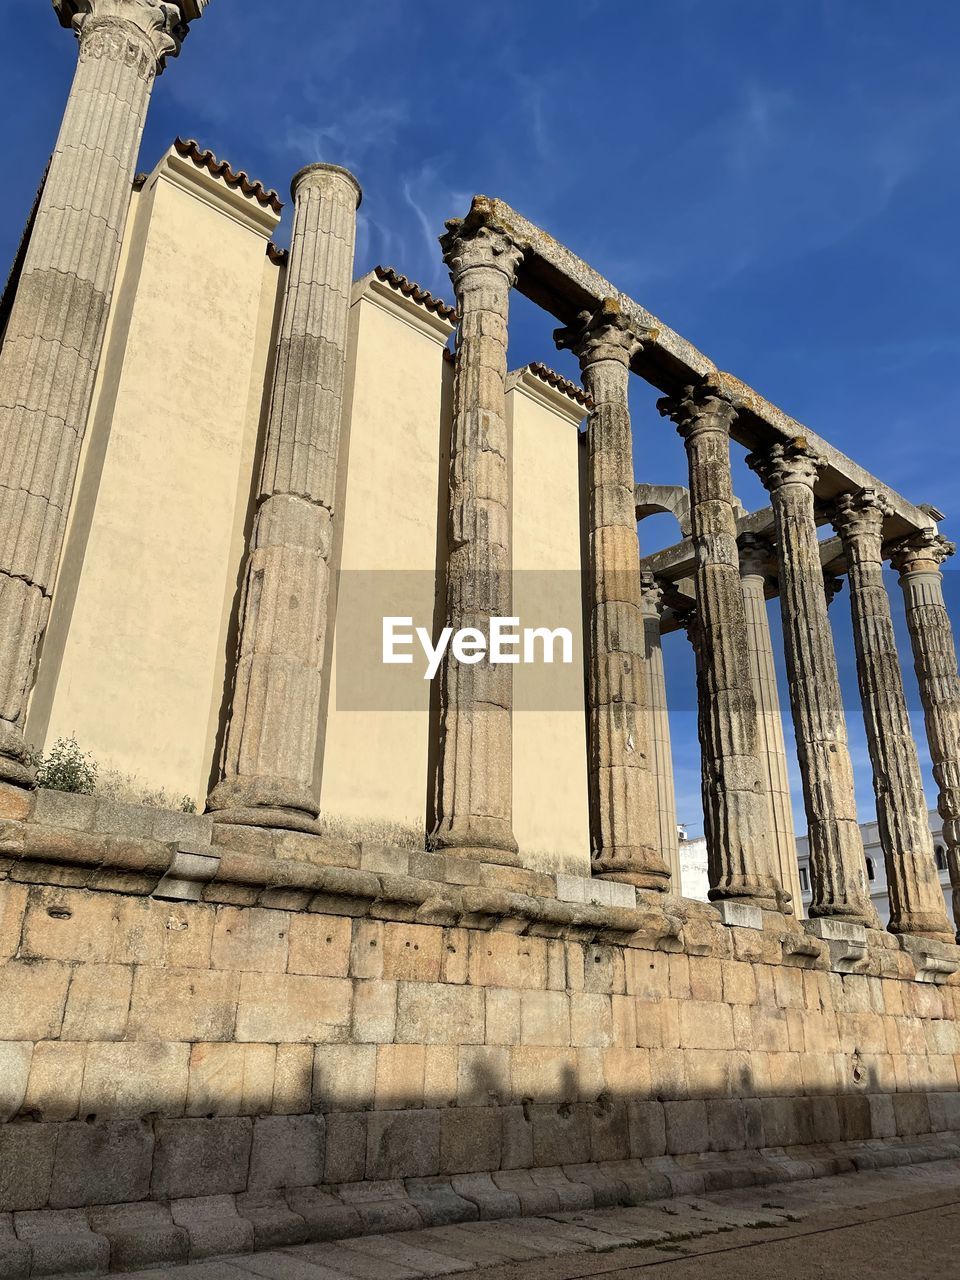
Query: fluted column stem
{"points": [[918, 560], [270, 746], [837, 864], [54, 336], [736, 812], [755, 556], [474, 791], [625, 828], [916, 900], [651, 604]]}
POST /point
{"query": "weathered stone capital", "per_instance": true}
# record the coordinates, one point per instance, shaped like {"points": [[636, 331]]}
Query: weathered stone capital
{"points": [[484, 246], [756, 554], [325, 176], [105, 27], [651, 594], [783, 464], [921, 552], [699, 408], [858, 519], [604, 334]]}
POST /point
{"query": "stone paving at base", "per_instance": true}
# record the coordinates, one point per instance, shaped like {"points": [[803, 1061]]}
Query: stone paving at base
{"points": [[655, 1231]]}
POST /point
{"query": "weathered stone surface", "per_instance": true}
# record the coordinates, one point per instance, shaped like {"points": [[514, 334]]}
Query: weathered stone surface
{"points": [[916, 902], [837, 867], [101, 1162], [736, 814], [625, 831], [270, 747], [287, 1152], [935, 662], [201, 1157], [475, 781]]}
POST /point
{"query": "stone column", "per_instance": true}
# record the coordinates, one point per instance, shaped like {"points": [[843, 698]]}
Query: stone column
{"points": [[651, 606], [736, 811], [837, 866], [54, 336], [755, 556], [918, 560], [474, 796], [270, 747], [916, 899], [625, 828]]}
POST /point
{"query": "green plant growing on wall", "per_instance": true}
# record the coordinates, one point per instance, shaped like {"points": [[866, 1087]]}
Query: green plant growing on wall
{"points": [[66, 768]]}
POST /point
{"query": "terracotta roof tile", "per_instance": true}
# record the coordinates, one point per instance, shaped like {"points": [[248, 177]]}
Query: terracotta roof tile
{"points": [[191, 150], [560, 383], [411, 290]]}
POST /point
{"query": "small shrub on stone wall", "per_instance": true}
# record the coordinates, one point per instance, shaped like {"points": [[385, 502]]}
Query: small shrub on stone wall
{"points": [[127, 788], [404, 835], [66, 768]]}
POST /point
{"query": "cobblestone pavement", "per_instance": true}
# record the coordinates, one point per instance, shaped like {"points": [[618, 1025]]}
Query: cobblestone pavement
{"points": [[898, 1222]]}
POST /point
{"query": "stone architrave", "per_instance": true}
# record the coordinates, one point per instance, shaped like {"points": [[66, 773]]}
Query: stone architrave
{"points": [[916, 900], [756, 554], [736, 810], [837, 864], [54, 337], [625, 827], [270, 747], [918, 560], [474, 788], [651, 605]]}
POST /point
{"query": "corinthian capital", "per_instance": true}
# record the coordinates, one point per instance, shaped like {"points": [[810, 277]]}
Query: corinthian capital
{"points": [[922, 551], [102, 24], [859, 517], [604, 334], [783, 464], [698, 408], [651, 594], [484, 246], [756, 555]]}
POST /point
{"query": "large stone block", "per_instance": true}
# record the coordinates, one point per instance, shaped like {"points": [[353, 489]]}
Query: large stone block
{"points": [[13, 906], [33, 996], [545, 1018], [61, 1242], [374, 1011], [439, 1014], [647, 1129], [344, 1077], [441, 1065], [399, 1076], [287, 1152], [591, 1020], [140, 1235], [15, 1060], [294, 1009], [320, 945], [403, 1144], [27, 1152], [293, 1079], [609, 1130], [345, 1157], [102, 1162], [705, 1026], [411, 952], [201, 1157], [505, 960], [214, 1226], [232, 1079], [471, 1140], [561, 1134], [686, 1126], [184, 1005], [98, 1002], [130, 1080], [56, 1074], [250, 938], [543, 1074], [483, 1075]]}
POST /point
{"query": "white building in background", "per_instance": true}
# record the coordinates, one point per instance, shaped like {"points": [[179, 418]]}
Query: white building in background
{"points": [[695, 881], [876, 869]]}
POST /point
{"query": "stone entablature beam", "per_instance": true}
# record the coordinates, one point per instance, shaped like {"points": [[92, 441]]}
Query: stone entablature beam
{"points": [[270, 747], [919, 562], [474, 787], [563, 284], [625, 834], [54, 336], [837, 864], [734, 793]]}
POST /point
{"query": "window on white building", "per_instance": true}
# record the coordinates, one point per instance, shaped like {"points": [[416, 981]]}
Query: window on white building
{"points": [[941, 858], [871, 871], [804, 880]]}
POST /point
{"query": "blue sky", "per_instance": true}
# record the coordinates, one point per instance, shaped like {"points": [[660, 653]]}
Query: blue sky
{"points": [[770, 177]]}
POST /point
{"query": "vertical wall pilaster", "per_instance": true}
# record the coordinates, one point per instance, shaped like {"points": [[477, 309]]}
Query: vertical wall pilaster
{"points": [[737, 816], [270, 747], [651, 605], [837, 865], [916, 901], [755, 556], [625, 828], [918, 560], [474, 794], [54, 336]]}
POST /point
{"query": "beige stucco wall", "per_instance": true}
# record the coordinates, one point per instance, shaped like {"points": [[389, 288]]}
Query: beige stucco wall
{"points": [[396, 422], [550, 801], [133, 662]]}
